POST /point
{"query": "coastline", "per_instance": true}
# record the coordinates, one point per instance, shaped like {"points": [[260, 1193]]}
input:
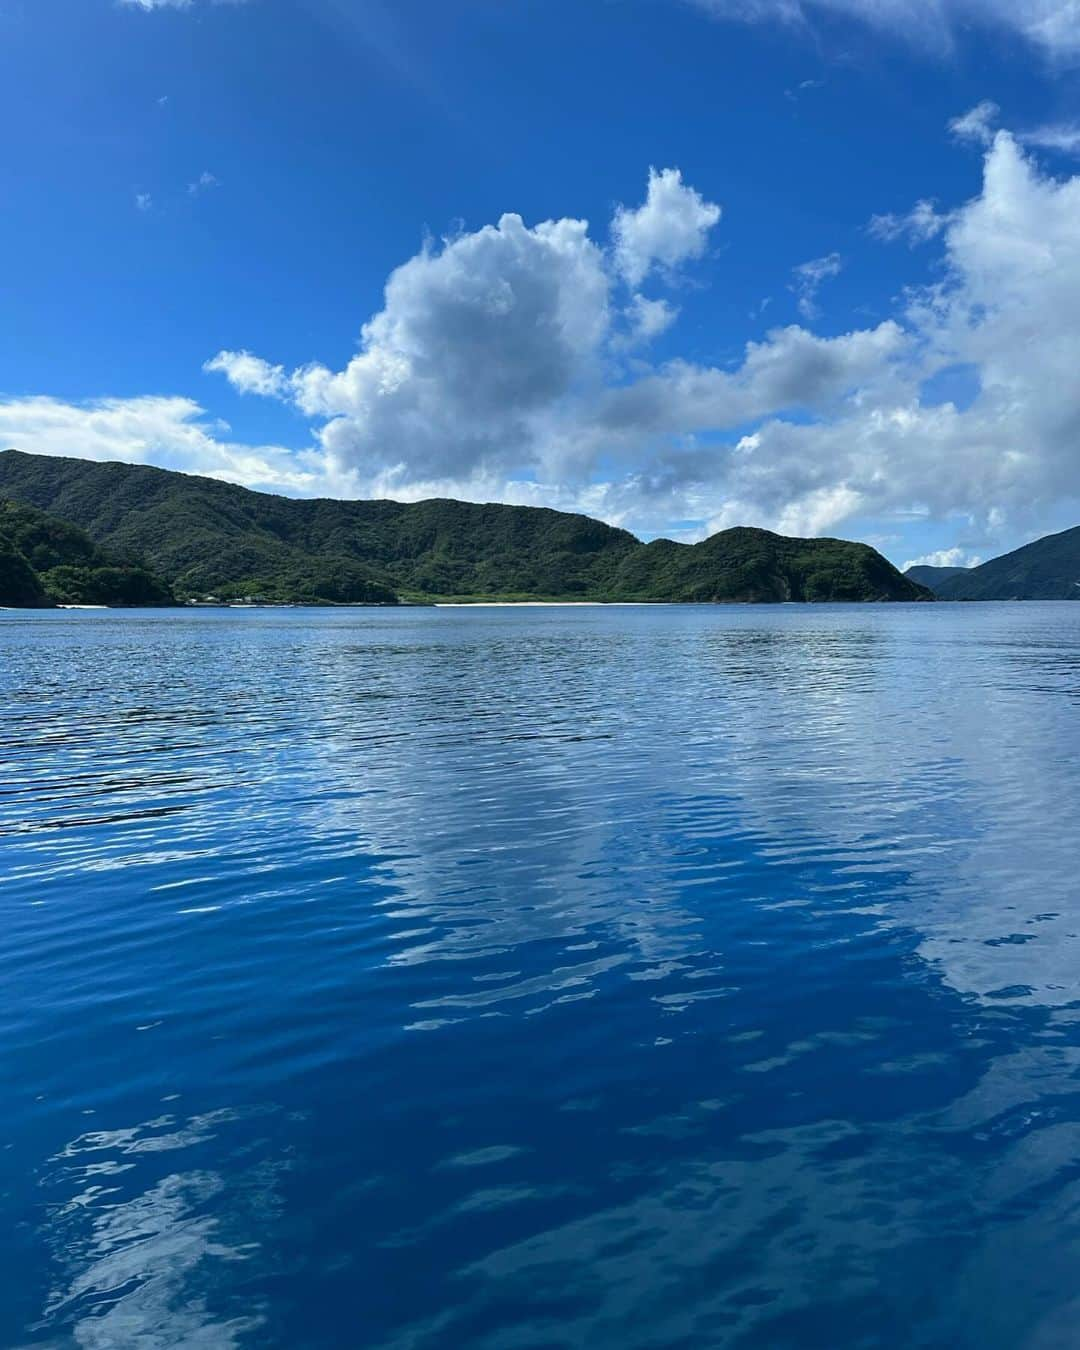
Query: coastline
{"points": [[540, 604]]}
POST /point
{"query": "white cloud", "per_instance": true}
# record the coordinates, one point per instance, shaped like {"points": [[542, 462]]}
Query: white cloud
{"points": [[669, 228], [499, 367], [173, 433], [143, 201], [148, 5], [1052, 26], [921, 224], [1061, 136], [803, 87], [979, 127], [791, 370], [1008, 310], [478, 346], [249, 374], [944, 557], [203, 183], [977, 124], [493, 369], [809, 278], [649, 318]]}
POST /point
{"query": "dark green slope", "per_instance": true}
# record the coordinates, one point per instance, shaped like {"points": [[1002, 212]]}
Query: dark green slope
{"points": [[202, 535], [206, 537], [933, 577], [1048, 569], [756, 565], [20, 585], [46, 561]]}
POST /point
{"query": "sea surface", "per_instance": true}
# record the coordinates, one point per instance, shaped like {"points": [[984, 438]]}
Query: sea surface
{"points": [[618, 978]]}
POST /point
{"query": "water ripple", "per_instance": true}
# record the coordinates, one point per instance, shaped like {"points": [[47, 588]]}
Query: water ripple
{"points": [[632, 977]]}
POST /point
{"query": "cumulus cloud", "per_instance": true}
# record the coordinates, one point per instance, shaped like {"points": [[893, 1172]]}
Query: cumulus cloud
{"points": [[944, 557], [792, 370], [1052, 26], [647, 319], [494, 370], [510, 363], [670, 227], [1007, 308], [173, 433], [249, 374], [808, 279], [477, 347]]}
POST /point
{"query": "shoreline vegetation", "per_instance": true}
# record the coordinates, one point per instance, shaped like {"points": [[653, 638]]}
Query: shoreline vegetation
{"points": [[49, 563], [190, 539], [85, 533]]}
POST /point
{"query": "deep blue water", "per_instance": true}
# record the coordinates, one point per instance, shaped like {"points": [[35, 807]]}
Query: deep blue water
{"points": [[607, 978]]}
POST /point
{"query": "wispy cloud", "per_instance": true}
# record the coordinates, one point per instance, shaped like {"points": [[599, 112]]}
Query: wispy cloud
{"points": [[977, 124], [203, 183], [148, 5], [809, 278], [143, 201], [1050, 25], [918, 226], [1061, 136], [803, 87]]}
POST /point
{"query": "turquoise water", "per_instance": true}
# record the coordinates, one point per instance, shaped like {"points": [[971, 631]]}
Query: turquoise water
{"points": [[607, 978]]}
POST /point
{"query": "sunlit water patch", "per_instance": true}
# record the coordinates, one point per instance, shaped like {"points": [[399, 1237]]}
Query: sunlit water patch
{"points": [[533, 978]]}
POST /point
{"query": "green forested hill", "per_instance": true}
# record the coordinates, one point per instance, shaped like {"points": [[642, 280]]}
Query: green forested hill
{"points": [[755, 565], [207, 537], [20, 585], [46, 561], [1048, 569]]}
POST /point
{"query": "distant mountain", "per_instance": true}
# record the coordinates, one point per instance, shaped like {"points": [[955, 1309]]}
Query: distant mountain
{"points": [[1048, 569], [208, 537], [45, 561], [932, 577]]}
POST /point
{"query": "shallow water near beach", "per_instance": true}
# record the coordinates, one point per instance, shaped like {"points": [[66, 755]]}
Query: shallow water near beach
{"points": [[585, 977]]}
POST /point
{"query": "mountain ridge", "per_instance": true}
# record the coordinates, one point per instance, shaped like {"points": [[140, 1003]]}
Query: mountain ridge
{"points": [[1046, 569], [204, 536]]}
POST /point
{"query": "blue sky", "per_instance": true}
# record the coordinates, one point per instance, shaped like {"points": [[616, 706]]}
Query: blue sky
{"points": [[192, 179]]}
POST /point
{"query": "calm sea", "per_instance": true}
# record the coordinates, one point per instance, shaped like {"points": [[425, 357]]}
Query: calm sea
{"points": [[522, 979]]}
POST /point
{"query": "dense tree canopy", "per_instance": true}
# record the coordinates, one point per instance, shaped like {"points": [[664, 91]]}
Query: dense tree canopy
{"points": [[206, 537], [46, 561]]}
